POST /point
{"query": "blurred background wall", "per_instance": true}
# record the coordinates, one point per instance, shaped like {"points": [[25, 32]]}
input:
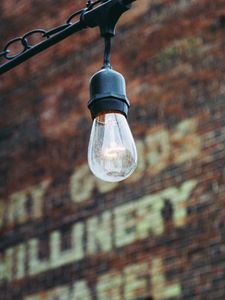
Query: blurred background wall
{"points": [[65, 235]]}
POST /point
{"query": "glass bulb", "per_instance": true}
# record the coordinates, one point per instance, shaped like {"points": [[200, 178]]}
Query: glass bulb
{"points": [[112, 154]]}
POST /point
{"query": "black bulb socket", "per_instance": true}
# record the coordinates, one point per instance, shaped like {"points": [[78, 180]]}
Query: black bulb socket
{"points": [[108, 93]]}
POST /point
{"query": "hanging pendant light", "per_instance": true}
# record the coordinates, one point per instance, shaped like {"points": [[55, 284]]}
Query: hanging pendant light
{"points": [[112, 154]]}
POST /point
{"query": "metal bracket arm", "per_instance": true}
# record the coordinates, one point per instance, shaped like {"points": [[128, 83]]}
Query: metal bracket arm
{"points": [[105, 15]]}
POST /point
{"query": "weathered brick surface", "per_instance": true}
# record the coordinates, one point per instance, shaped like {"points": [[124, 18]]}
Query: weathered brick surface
{"points": [[160, 233]]}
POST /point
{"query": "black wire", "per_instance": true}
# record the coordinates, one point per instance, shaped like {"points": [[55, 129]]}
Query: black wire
{"points": [[107, 52]]}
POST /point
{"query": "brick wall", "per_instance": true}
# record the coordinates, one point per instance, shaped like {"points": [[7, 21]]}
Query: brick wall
{"points": [[64, 235]]}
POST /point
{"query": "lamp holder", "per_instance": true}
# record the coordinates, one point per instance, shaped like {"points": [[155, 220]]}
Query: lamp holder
{"points": [[108, 93]]}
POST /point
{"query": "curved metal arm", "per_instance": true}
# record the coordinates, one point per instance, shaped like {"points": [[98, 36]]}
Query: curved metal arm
{"points": [[105, 15]]}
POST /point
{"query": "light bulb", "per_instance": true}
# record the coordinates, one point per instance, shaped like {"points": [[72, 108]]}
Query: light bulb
{"points": [[112, 154]]}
